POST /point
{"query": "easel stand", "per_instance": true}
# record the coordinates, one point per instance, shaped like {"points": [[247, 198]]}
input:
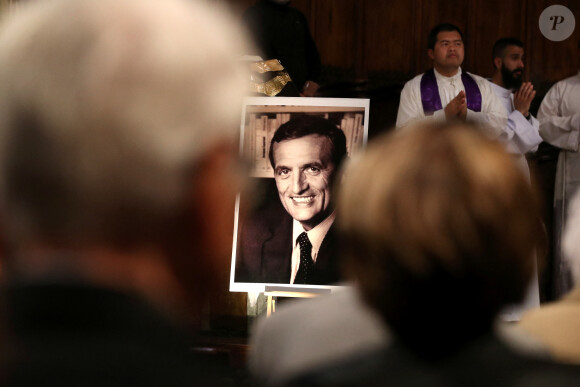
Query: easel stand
{"points": [[273, 292]]}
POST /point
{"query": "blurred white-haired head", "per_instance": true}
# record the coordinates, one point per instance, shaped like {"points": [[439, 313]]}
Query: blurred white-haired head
{"points": [[571, 238], [106, 107]]}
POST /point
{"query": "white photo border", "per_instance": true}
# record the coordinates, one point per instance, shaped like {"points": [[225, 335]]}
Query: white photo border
{"points": [[295, 105]]}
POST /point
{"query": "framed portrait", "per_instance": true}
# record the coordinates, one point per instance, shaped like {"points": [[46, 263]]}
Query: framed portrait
{"points": [[284, 234]]}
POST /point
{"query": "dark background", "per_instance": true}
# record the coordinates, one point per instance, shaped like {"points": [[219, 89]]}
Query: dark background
{"points": [[384, 41], [370, 48]]}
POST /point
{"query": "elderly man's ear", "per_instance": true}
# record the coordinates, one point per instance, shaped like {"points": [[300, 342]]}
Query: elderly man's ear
{"points": [[2, 248], [200, 245], [217, 180]]}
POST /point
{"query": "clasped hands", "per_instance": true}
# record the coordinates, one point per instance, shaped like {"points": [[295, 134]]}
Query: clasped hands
{"points": [[457, 107]]}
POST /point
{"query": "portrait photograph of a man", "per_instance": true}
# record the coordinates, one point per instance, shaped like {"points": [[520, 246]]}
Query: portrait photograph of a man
{"points": [[287, 235]]}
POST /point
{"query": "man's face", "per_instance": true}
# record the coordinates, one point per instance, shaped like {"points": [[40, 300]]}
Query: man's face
{"points": [[304, 172], [447, 54], [512, 67]]}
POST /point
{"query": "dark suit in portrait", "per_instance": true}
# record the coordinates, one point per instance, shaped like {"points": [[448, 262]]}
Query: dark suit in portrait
{"points": [[264, 252], [305, 153]]}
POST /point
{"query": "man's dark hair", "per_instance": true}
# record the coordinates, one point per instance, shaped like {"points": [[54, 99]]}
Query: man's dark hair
{"points": [[501, 44], [305, 125], [432, 37]]}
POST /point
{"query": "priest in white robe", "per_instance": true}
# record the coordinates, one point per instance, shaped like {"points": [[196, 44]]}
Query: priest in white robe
{"points": [[559, 117], [447, 93]]}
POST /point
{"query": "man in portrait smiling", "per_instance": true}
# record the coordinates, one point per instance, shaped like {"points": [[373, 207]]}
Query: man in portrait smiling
{"points": [[297, 246]]}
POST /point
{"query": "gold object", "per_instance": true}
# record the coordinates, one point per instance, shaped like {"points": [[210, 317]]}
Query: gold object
{"points": [[273, 86], [267, 66]]}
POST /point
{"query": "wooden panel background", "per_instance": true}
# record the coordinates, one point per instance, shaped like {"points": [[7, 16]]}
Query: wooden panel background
{"points": [[385, 41], [370, 48]]}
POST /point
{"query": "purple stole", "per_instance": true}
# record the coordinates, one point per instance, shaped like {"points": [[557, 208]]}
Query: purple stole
{"points": [[430, 93]]}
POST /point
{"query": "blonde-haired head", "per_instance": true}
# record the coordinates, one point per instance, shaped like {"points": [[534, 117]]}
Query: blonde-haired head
{"points": [[439, 227]]}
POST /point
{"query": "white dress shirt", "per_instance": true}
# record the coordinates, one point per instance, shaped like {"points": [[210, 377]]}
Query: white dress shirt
{"points": [[315, 235]]}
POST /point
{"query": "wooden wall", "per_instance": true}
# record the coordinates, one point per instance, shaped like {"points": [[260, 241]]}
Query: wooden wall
{"points": [[385, 40], [375, 46]]}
